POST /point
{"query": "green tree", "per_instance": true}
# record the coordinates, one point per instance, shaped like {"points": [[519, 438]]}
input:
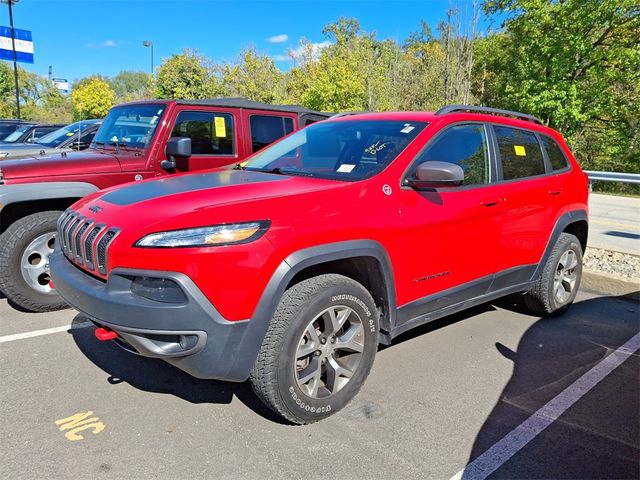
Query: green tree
{"points": [[575, 64], [570, 62], [254, 76], [131, 85], [345, 75], [92, 99], [187, 75]]}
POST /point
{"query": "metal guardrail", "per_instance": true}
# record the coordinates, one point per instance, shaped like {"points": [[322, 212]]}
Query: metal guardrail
{"points": [[613, 177]]}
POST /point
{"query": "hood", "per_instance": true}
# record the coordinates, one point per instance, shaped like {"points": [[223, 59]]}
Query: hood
{"points": [[59, 164]]}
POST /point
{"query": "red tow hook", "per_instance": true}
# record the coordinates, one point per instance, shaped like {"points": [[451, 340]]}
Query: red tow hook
{"points": [[51, 284], [104, 334]]}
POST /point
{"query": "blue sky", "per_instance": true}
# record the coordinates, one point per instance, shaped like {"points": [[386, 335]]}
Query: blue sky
{"points": [[83, 37]]}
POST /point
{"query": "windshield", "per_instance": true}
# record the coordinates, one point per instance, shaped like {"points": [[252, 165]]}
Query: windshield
{"points": [[55, 138], [17, 134], [130, 126], [346, 150]]}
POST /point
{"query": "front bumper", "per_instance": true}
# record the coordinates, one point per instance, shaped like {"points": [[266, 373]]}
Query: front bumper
{"points": [[191, 335]]}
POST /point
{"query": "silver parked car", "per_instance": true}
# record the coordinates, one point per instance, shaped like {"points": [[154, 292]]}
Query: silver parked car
{"points": [[76, 136]]}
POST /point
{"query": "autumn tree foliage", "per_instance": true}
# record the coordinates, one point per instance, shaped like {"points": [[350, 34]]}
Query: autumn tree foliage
{"points": [[92, 99]]}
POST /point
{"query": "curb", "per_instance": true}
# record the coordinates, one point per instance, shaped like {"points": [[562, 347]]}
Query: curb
{"points": [[611, 285]]}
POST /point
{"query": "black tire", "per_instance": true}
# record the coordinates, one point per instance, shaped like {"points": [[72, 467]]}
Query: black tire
{"points": [[541, 299], [275, 374], [13, 242]]}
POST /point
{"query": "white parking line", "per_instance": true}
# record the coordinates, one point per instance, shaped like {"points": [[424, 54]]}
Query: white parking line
{"points": [[514, 441], [46, 331]]}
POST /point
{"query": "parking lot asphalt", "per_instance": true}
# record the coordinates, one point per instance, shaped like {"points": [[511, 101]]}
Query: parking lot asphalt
{"points": [[441, 397]]}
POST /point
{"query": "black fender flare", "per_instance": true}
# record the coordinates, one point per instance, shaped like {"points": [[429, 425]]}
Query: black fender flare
{"points": [[258, 325], [561, 224]]}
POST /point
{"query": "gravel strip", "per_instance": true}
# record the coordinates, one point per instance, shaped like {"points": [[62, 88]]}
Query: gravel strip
{"points": [[619, 264]]}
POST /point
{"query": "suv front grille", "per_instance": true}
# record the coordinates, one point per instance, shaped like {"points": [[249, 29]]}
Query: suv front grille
{"points": [[82, 240]]}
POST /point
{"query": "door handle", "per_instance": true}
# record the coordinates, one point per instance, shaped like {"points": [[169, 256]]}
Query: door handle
{"points": [[491, 202], [554, 192]]}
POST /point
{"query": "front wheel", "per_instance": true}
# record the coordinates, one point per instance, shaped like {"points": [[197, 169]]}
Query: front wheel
{"points": [[24, 262], [318, 350], [558, 284]]}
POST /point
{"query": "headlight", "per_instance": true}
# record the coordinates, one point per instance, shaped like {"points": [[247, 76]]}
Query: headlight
{"points": [[231, 234]]}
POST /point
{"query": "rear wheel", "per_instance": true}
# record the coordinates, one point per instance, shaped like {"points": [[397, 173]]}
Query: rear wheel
{"points": [[24, 262], [318, 350], [557, 287]]}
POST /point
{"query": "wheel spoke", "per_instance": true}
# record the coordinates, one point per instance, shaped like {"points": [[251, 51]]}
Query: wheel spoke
{"points": [[312, 371], [337, 375], [568, 283], [352, 339], [312, 344], [334, 321]]}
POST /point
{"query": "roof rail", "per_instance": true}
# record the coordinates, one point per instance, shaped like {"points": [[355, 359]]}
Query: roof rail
{"points": [[346, 114], [495, 111]]}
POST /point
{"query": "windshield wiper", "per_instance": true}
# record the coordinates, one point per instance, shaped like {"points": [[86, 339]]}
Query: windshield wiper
{"points": [[281, 171]]}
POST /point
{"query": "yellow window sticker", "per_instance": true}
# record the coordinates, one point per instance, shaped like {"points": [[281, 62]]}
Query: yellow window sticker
{"points": [[70, 134], [221, 131], [520, 151]]}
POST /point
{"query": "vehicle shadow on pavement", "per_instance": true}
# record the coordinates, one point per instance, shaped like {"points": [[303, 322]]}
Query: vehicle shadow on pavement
{"points": [[599, 435], [156, 376]]}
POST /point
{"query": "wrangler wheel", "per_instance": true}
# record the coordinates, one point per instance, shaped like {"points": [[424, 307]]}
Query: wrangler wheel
{"points": [[24, 262]]}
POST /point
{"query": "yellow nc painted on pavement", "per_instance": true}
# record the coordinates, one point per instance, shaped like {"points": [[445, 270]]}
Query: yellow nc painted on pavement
{"points": [[78, 423]]}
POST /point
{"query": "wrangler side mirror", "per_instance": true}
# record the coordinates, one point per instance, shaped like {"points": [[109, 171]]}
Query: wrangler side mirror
{"points": [[179, 147]]}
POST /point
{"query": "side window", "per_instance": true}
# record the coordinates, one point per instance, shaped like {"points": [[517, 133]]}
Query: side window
{"points": [[555, 153], [464, 145], [39, 132], [266, 129], [520, 153], [211, 133], [88, 137]]}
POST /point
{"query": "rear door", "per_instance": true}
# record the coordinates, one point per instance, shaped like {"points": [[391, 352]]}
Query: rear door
{"points": [[527, 218]]}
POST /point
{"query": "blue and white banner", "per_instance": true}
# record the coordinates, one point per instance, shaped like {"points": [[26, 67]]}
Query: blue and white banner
{"points": [[24, 45]]}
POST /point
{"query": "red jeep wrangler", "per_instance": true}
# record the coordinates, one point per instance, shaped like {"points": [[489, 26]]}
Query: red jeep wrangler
{"points": [[136, 141], [290, 268]]}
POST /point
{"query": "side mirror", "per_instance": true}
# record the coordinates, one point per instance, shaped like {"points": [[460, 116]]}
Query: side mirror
{"points": [[436, 174], [179, 147], [78, 145]]}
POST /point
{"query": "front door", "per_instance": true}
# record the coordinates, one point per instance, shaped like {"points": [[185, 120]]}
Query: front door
{"points": [[213, 139], [450, 234]]}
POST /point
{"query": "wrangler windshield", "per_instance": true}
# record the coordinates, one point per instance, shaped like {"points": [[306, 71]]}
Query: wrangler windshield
{"points": [[129, 126], [346, 150]]}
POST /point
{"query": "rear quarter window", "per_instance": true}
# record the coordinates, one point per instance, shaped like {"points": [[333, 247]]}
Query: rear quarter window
{"points": [[556, 156], [520, 153]]}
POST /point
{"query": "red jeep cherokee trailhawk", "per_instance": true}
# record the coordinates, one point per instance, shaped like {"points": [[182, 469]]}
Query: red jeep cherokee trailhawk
{"points": [[290, 268]]}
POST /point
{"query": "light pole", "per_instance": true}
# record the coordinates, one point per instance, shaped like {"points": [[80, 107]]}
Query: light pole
{"points": [[13, 44], [146, 43]]}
